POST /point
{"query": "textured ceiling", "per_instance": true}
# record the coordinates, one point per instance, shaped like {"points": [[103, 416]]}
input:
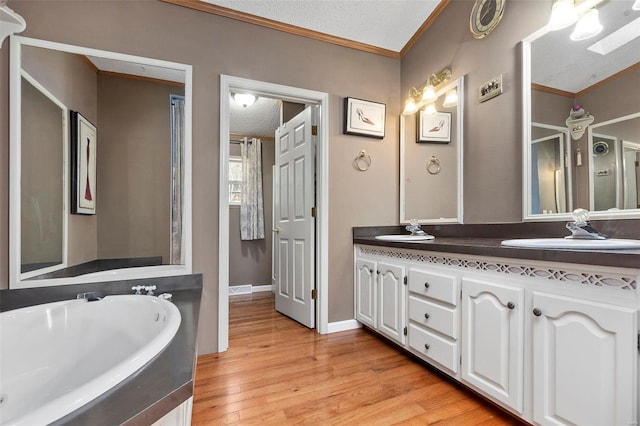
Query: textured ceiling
{"points": [[260, 119], [388, 24]]}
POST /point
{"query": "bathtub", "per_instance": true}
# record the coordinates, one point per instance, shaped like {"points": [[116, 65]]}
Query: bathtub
{"points": [[56, 357]]}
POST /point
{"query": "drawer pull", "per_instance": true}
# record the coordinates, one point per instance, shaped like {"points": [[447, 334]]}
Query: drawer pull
{"points": [[510, 305], [426, 285], [426, 346], [537, 312], [426, 316]]}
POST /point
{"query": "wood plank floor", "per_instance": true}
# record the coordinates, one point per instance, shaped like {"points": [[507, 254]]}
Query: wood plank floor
{"points": [[278, 372]]}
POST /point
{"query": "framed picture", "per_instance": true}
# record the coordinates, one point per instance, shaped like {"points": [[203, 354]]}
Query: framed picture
{"points": [[83, 165], [364, 118], [434, 128]]}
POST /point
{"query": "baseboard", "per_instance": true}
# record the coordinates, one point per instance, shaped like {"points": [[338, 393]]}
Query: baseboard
{"points": [[247, 289], [334, 327]]}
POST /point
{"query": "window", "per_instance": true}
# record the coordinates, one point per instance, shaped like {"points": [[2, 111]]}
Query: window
{"points": [[235, 180]]}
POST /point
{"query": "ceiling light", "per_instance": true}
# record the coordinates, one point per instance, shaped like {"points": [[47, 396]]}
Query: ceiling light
{"points": [[244, 99], [563, 14], [588, 26], [451, 99], [618, 38], [636, 5]]}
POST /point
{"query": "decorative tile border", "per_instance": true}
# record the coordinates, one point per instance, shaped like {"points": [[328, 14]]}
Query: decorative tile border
{"points": [[624, 282]]}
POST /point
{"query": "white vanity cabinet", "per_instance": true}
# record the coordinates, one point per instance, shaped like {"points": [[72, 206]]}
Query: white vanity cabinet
{"points": [[380, 297], [552, 343], [493, 339], [584, 361]]}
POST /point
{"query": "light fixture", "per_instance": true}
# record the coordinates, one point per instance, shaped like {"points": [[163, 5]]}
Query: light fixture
{"points": [[636, 5], [588, 26], [430, 109], [566, 12], [418, 98], [451, 99], [244, 99]]}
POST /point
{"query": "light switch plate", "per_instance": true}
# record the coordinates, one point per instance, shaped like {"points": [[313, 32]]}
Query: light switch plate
{"points": [[490, 89]]}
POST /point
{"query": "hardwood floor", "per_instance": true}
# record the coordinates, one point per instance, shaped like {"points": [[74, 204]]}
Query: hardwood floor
{"points": [[277, 371]]}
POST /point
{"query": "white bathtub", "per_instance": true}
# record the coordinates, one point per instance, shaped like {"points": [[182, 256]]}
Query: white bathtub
{"points": [[56, 357]]}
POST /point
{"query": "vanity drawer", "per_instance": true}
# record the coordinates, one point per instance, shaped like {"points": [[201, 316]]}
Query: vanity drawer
{"points": [[437, 286], [436, 317], [432, 346]]}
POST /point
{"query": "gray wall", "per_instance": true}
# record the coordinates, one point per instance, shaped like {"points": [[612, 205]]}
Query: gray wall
{"points": [[215, 45], [493, 136]]}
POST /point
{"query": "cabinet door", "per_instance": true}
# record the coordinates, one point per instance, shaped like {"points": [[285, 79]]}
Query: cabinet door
{"points": [[366, 300], [584, 362], [392, 301], [493, 340]]}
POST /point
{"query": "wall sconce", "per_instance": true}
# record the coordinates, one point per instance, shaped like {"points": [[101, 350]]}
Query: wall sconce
{"points": [[244, 99], [567, 12], [418, 98]]}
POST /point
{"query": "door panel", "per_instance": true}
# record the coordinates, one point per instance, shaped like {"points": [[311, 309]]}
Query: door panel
{"points": [[296, 226]]}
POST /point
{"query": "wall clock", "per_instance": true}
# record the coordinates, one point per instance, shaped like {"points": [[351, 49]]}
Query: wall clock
{"points": [[485, 16]]}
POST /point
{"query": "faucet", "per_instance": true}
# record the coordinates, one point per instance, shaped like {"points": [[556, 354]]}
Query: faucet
{"points": [[581, 229], [415, 228]]}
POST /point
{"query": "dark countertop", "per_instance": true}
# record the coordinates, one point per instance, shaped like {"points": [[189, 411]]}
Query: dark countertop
{"points": [[478, 242], [160, 386]]}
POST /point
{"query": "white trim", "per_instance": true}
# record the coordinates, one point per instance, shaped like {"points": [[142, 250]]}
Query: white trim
{"points": [[338, 326], [261, 288], [14, 188], [227, 85]]}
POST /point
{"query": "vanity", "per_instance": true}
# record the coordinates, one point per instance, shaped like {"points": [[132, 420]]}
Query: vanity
{"points": [[549, 335]]}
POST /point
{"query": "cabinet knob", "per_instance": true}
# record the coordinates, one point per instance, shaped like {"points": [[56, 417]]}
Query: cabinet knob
{"points": [[378, 272], [426, 316], [537, 312], [511, 305], [426, 346], [426, 285]]}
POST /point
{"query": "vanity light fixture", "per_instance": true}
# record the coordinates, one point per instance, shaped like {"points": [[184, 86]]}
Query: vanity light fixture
{"points": [[567, 12], [451, 99], [418, 98], [244, 99]]}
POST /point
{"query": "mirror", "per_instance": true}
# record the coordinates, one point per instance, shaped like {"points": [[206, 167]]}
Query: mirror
{"points": [[567, 163], [431, 162], [100, 165]]}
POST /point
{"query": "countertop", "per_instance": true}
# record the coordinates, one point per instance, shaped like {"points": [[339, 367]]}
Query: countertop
{"points": [[156, 389], [480, 245]]}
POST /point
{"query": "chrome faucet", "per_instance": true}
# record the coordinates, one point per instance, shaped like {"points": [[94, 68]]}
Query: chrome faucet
{"points": [[415, 227], [91, 296], [581, 228]]}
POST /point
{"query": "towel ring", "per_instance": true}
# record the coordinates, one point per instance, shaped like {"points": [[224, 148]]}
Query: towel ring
{"points": [[433, 166], [362, 162]]}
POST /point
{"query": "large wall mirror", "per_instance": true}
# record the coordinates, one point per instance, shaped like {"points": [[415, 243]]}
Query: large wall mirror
{"points": [[100, 165], [431, 161], [593, 165]]}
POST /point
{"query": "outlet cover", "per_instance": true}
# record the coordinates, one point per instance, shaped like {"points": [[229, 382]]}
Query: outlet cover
{"points": [[490, 89]]}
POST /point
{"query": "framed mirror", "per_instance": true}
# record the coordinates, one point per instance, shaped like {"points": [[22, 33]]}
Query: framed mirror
{"points": [[431, 161], [569, 164], [100, 170]]}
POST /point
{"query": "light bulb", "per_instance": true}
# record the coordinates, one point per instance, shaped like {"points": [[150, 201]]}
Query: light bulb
{"points": [[563, 14], [428, 94], [430, 109], [451, 99], [410, 107], [588, 26]]}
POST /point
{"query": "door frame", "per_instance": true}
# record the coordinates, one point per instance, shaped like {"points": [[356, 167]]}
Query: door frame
{"points": [[229, 84]]}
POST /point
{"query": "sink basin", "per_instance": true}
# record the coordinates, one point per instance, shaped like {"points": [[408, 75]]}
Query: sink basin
{"points": [[573, 244], [404, 238]]}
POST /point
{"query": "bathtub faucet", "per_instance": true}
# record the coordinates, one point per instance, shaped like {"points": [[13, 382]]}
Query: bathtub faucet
{"points": [[90, 296]]}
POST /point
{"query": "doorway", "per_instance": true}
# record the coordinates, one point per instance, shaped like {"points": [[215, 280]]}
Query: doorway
{"points": [[229, 85]]}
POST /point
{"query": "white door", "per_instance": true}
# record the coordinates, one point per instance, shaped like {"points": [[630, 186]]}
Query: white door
{"points": [[391, 303], [366, 292], [584, 362], [295, 224], [493, 340]]}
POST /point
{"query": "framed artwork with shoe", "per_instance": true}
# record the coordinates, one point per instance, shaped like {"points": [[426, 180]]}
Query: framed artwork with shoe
{"points": [[364, 118], [434, 128]]}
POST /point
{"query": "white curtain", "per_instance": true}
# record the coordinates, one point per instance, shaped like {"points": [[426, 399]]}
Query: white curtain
{"points": [[251, 206]]}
